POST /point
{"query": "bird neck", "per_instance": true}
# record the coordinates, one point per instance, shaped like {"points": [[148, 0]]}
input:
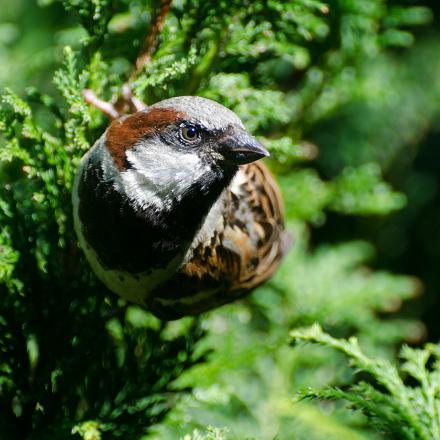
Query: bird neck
{"points": [[127, 237]]}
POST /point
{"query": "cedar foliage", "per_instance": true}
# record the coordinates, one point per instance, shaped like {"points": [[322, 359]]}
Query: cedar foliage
{"points": [[397, 409], [74, 359]]}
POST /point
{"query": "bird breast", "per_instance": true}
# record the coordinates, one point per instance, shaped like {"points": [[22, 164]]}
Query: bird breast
{"points": [[237, 248]]}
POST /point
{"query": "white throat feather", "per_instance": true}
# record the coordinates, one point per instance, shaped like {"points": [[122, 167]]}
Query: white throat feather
{"points": [[159, 174]]}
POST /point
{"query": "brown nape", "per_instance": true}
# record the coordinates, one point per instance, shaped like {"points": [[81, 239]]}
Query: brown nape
{"points": [[124, 133]]}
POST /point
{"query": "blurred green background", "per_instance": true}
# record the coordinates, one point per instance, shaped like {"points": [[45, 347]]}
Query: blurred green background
{"points": [[342, 92]]}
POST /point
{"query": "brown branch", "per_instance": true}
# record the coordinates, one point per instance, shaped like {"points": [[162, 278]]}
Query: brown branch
{"points": [[134, 103], [106, 107], [151, 40], [126, 102]]}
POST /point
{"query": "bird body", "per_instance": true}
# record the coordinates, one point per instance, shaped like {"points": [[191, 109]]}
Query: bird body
{"points": [[172, 214]]}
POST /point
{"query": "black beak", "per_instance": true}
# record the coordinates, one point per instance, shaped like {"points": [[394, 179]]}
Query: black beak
{"points": [[238, 147]]}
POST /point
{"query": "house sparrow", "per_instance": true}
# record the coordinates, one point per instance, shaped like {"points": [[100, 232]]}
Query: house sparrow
{"points": [[173, 212]]}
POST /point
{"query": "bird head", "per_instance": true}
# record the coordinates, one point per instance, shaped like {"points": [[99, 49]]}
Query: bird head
{"points": [[178, 146]]}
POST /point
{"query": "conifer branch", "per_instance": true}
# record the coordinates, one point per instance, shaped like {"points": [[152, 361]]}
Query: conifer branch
{"points": [[126, 102], [105, 107], [151, 41]]}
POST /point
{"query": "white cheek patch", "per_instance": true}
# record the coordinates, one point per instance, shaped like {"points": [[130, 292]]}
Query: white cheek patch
{"points": [[160, 174]]}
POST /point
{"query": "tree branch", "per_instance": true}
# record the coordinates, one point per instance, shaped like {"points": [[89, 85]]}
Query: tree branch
{"points": [[151, 40], [126, 102]]}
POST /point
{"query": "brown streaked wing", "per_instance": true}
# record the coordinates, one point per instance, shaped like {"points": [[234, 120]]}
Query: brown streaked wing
{"points": [[241, 254], [269, 239]]}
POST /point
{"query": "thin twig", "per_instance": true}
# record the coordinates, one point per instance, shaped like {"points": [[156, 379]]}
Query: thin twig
{"points": [[136, 104], [127, 103], [106, 107], [151, 40]]}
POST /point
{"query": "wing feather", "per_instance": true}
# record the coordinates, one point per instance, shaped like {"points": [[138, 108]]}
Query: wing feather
{"points": [[239, 253]]}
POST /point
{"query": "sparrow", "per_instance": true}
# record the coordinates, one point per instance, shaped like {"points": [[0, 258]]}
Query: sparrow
{"points": [[173, 211]]}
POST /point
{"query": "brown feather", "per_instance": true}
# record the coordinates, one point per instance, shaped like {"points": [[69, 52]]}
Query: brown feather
{"points": [[241, 253], [125, 132]]}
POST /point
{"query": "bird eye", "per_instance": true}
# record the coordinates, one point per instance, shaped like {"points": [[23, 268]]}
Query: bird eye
{"points": [[189, 132]]}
